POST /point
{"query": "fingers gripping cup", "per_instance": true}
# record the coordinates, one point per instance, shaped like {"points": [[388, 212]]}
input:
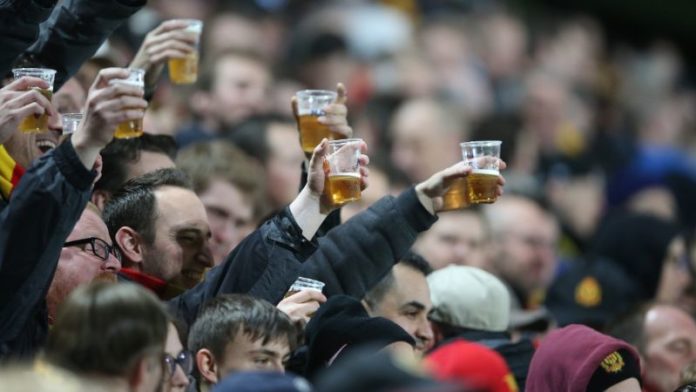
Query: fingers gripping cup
{"points": [[36, 123], [305, 284], [184, 70], [310, 106], [342, 185], [484, 158], [132, 128]]}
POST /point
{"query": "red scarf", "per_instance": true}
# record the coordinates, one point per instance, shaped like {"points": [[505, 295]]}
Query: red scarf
{"points": [[157, 285]]}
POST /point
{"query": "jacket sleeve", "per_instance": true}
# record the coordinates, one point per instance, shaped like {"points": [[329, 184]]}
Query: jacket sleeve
{"points": [[19, 27], [262, 265], [76, 30], [42, 212], [354, 256], [350, 259]]}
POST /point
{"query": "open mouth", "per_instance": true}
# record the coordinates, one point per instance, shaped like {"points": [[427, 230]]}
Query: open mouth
{"points": [[45, 145]]}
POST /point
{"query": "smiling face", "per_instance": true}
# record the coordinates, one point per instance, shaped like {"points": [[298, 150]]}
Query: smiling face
{"points": [[181, 250]]}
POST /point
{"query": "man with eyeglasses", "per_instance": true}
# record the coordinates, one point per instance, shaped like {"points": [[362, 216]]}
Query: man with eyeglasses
{"points": [[87, 255], [178, 363]]}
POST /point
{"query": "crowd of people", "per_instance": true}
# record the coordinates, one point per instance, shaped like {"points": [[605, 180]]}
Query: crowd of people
{"points": [[167, 262]]}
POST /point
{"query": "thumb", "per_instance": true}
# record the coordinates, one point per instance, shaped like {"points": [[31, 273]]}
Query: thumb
{"points": [[341, 94], [317, 162]]}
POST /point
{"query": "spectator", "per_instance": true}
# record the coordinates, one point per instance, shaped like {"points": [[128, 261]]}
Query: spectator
{"points": [[114, 333], [665, 337], [403, 297]]}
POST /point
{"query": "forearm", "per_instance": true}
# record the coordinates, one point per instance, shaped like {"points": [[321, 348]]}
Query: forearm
{"points": [[19, 27], [76, 30], [305, 209]]}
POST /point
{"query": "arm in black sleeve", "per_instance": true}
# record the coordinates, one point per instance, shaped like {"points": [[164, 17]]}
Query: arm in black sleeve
{"points": [[19, 27], [76, 30], [42, 212], [354, 256]]}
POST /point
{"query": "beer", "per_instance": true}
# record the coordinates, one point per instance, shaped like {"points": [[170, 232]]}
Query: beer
{"points": [[482, 185], [312, 132], [37, 123], [129, 129], [456, 196], [342, 188], [184, 70]]}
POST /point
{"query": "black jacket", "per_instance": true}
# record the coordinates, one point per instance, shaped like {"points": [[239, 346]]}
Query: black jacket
{"points": [[42, 212], [19, 27], [350, 259]]}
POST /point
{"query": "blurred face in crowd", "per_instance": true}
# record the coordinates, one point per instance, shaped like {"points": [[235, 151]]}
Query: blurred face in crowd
{"points": [[669, 346], [459, 238], [78, 263], [240, 88], [408, 304], [180, 252], [379, 187], [230, 215], [178, 380], [284, 166], [523, 249], [423, 140]]}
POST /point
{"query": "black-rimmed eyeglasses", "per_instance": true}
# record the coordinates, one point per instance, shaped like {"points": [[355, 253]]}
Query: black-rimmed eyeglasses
{"points": [[97, 246], [183, 359]]}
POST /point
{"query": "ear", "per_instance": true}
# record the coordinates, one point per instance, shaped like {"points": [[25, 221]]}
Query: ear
{"points": [[142, 372], [131, 245], [207, 367], [100, 197]]}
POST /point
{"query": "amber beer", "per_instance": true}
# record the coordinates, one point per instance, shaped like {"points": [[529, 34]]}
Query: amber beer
{"points": [[37, 123], [343, 188], [184, 70], [482, 185], [456, 196], [312, 132], [131, 128]]}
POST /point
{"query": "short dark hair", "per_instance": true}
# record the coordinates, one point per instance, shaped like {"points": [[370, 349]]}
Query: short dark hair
{"points": [[121, 152], [225, 316], [104, 328], [251, 136], [412, 260], [630, 327], [133, 205]]}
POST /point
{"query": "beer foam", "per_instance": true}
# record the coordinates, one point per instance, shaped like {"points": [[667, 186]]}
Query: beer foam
{"points": [[356, 175], [487, 172]]}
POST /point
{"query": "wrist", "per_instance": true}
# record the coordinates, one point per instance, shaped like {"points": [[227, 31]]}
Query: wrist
{"points": [[425, 200]]}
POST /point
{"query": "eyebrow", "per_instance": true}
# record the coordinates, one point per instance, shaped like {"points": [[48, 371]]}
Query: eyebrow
{"points": [[413, 304], [270, 353]]}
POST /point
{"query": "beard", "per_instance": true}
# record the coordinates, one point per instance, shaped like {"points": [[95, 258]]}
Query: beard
{"points": [[108, 277]]}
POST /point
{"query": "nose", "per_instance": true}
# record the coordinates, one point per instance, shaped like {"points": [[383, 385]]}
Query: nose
{"points": [[425, 332], [179, 378], [112, 264]]}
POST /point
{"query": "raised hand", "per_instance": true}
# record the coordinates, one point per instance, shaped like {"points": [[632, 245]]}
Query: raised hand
{"points": [[20, 99]]}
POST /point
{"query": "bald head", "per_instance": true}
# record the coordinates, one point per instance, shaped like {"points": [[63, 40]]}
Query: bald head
{"points": [[426, 135]]}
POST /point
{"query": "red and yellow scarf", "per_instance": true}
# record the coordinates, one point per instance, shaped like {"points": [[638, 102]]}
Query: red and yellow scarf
{"points": [[10, 173]]}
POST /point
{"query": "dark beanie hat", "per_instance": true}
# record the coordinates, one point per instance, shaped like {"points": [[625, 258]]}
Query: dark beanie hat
{"points": [[638, 244], [579, 359], [341, 325]]}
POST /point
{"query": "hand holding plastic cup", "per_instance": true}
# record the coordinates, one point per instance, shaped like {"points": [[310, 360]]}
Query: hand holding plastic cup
{"points": [[32, 124], [342, 184], [132, 128], [305, 284], [310, 106], [479, 187], [185, 70]]}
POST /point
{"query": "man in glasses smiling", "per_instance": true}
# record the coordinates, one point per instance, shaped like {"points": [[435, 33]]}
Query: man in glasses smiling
{"points": [[87, 255]]}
